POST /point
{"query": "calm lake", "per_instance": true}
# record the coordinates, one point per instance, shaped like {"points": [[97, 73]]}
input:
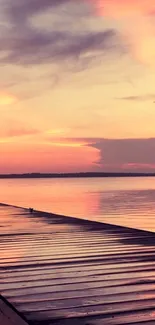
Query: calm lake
{"points": [[121, 201]]}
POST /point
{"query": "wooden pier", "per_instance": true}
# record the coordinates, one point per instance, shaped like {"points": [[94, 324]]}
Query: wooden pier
{"points": [[64, 271]]}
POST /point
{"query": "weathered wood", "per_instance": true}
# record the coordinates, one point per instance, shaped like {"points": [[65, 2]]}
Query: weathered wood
{"points": [[86, 301], [58, 270], [8, 316], [96, 310]]}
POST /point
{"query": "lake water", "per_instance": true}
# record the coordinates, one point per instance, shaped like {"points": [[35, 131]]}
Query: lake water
{"points": [[121, 201]]}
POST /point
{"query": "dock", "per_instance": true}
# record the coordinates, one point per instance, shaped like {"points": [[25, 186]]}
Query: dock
{"points": [[66, 271]]}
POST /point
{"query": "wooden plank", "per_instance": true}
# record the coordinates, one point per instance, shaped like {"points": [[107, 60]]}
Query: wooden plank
{"points": [[85, 301], [111, 279], [73, 287], [127, 318], [70, 250], [46, 274], [96, 310], [8, 316], [71, 268], [45, 296], [71, 271], [80, 256]]}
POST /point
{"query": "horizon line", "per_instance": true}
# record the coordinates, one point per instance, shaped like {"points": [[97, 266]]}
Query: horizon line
{"points": [[75, 174]]}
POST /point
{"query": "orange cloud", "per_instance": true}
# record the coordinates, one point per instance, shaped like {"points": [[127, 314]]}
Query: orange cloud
{"points": [[7, 99], [8, 133], [56, 132], [46, 158], [135, 19], [122, 8], [67, 142]]}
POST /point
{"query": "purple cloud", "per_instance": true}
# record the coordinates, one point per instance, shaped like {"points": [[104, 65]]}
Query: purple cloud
{"points": [[37, 48], [128, 154], [22, 9], [121, 154], [22, 43]]}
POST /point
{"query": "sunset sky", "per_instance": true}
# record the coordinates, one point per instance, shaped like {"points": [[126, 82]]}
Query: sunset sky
{"points": [[77, 85]]}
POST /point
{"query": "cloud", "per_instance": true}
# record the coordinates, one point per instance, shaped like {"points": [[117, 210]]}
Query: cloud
{"points": [[20, 131], [21, 10], [23, 43], [143, 98], [57, 132], [128, 154], [58, 46], [115, 155], [119, 8], [136, 22], [7, 99], [66, 142], [11, 129]]}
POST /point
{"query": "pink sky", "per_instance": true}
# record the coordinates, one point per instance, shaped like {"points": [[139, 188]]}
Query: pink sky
{"points": [[77, 85]]}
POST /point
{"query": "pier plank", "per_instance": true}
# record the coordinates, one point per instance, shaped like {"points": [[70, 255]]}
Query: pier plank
{"points": [[8, 316], [61, 270]]}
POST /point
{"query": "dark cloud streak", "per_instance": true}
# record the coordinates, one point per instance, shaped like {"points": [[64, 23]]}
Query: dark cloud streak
{"points": [[138, 98], [58, 46], [20, 10], [24, 44]]}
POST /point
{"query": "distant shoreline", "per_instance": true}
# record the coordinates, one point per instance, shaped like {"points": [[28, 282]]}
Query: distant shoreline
{"points": [[75, 175]]}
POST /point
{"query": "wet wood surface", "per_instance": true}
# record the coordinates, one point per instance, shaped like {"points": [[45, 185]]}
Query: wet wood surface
{"points": [[60, 270], [8, 316]]}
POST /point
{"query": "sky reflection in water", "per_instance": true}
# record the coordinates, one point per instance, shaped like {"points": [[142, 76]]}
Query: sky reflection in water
{"points": [[123, 201]]}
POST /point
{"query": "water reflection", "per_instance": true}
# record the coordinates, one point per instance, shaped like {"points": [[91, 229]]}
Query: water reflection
{"points": [[132, 208], [122, 201]]}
